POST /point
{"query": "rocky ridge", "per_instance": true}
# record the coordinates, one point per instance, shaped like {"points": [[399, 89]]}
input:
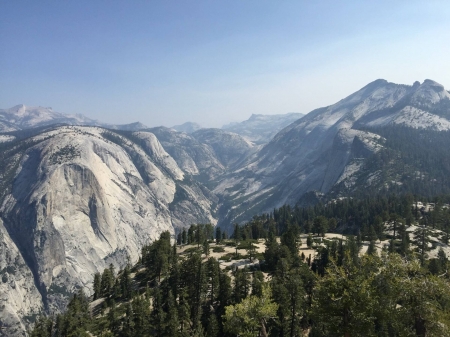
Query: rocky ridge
{"points": [[187, 127], [22, 117]]}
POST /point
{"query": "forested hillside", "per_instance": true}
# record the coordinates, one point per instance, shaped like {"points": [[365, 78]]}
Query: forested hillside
{"points": [[412, 160], [286, 273]]}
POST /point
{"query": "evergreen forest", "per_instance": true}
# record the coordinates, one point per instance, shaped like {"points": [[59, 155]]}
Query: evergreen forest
{"points": [[351, 267]]}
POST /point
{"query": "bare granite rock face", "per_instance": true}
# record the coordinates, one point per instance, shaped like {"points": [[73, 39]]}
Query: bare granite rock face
{"points": [[192, 156], [20, 300], [84, 197]]}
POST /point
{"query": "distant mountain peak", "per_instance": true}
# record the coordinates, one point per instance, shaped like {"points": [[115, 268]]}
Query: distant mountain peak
{"points": [[378, 82], [253, 116], [431, 82], [22, 116], [260, 128], [188, 127]]}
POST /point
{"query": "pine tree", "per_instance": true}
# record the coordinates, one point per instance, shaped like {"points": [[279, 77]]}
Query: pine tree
{"points": [[291, 239], [171, 323], [353, 248], [201, 234], [212, 277], [442, 258], [128, 327], [206, 247], [421, 239], [372, 234], [218, 235], [184, 237], [344, 299], [113, 318], [184, 314], [320, 225], [237, 233], [212, 325], [97, 285], [125, 283], [280, 296], [271, 248], [190, 234], [193, 276], [372, 250], [116, 293], [394, 220], [224, 298], [158, 316], [107, 283], [257, 283], [391, 246], [309, 241], [404, 245], [42, 328], [141, 315], [241, 285], [296, 303], [251, 250]]}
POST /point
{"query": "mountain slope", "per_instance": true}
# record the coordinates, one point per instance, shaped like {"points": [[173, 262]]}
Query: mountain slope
{"points": [[20, 298], [192, 156], [230, 148], [83, 197], [187, 127], [328, 144]]}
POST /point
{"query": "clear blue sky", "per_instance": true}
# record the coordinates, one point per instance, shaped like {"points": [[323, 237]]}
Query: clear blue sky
{"points": [[212, 62]]}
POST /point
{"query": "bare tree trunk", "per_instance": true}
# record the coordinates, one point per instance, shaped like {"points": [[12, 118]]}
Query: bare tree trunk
{"points": [[421, 330], [263, 332]]}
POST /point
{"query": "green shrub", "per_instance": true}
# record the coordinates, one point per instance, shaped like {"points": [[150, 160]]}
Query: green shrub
{"points": [[225, 258], [192, 250]]}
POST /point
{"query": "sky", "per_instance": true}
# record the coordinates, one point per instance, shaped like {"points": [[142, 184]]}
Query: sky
{"points": [[212, 62]]}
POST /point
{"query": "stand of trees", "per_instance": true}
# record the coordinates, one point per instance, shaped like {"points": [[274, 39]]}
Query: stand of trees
{"points": [[337, 293]]}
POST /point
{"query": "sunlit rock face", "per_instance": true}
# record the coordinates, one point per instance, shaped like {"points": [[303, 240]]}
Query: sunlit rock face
{"points": [[328, 145], [82, 198]]}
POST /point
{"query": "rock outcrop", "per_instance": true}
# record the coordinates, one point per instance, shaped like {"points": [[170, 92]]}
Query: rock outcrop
{"points": [[85, 197]]}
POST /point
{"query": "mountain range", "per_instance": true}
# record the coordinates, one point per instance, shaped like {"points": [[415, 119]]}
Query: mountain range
{"points": [[22, 117], [78, 194], [260, 129]]}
